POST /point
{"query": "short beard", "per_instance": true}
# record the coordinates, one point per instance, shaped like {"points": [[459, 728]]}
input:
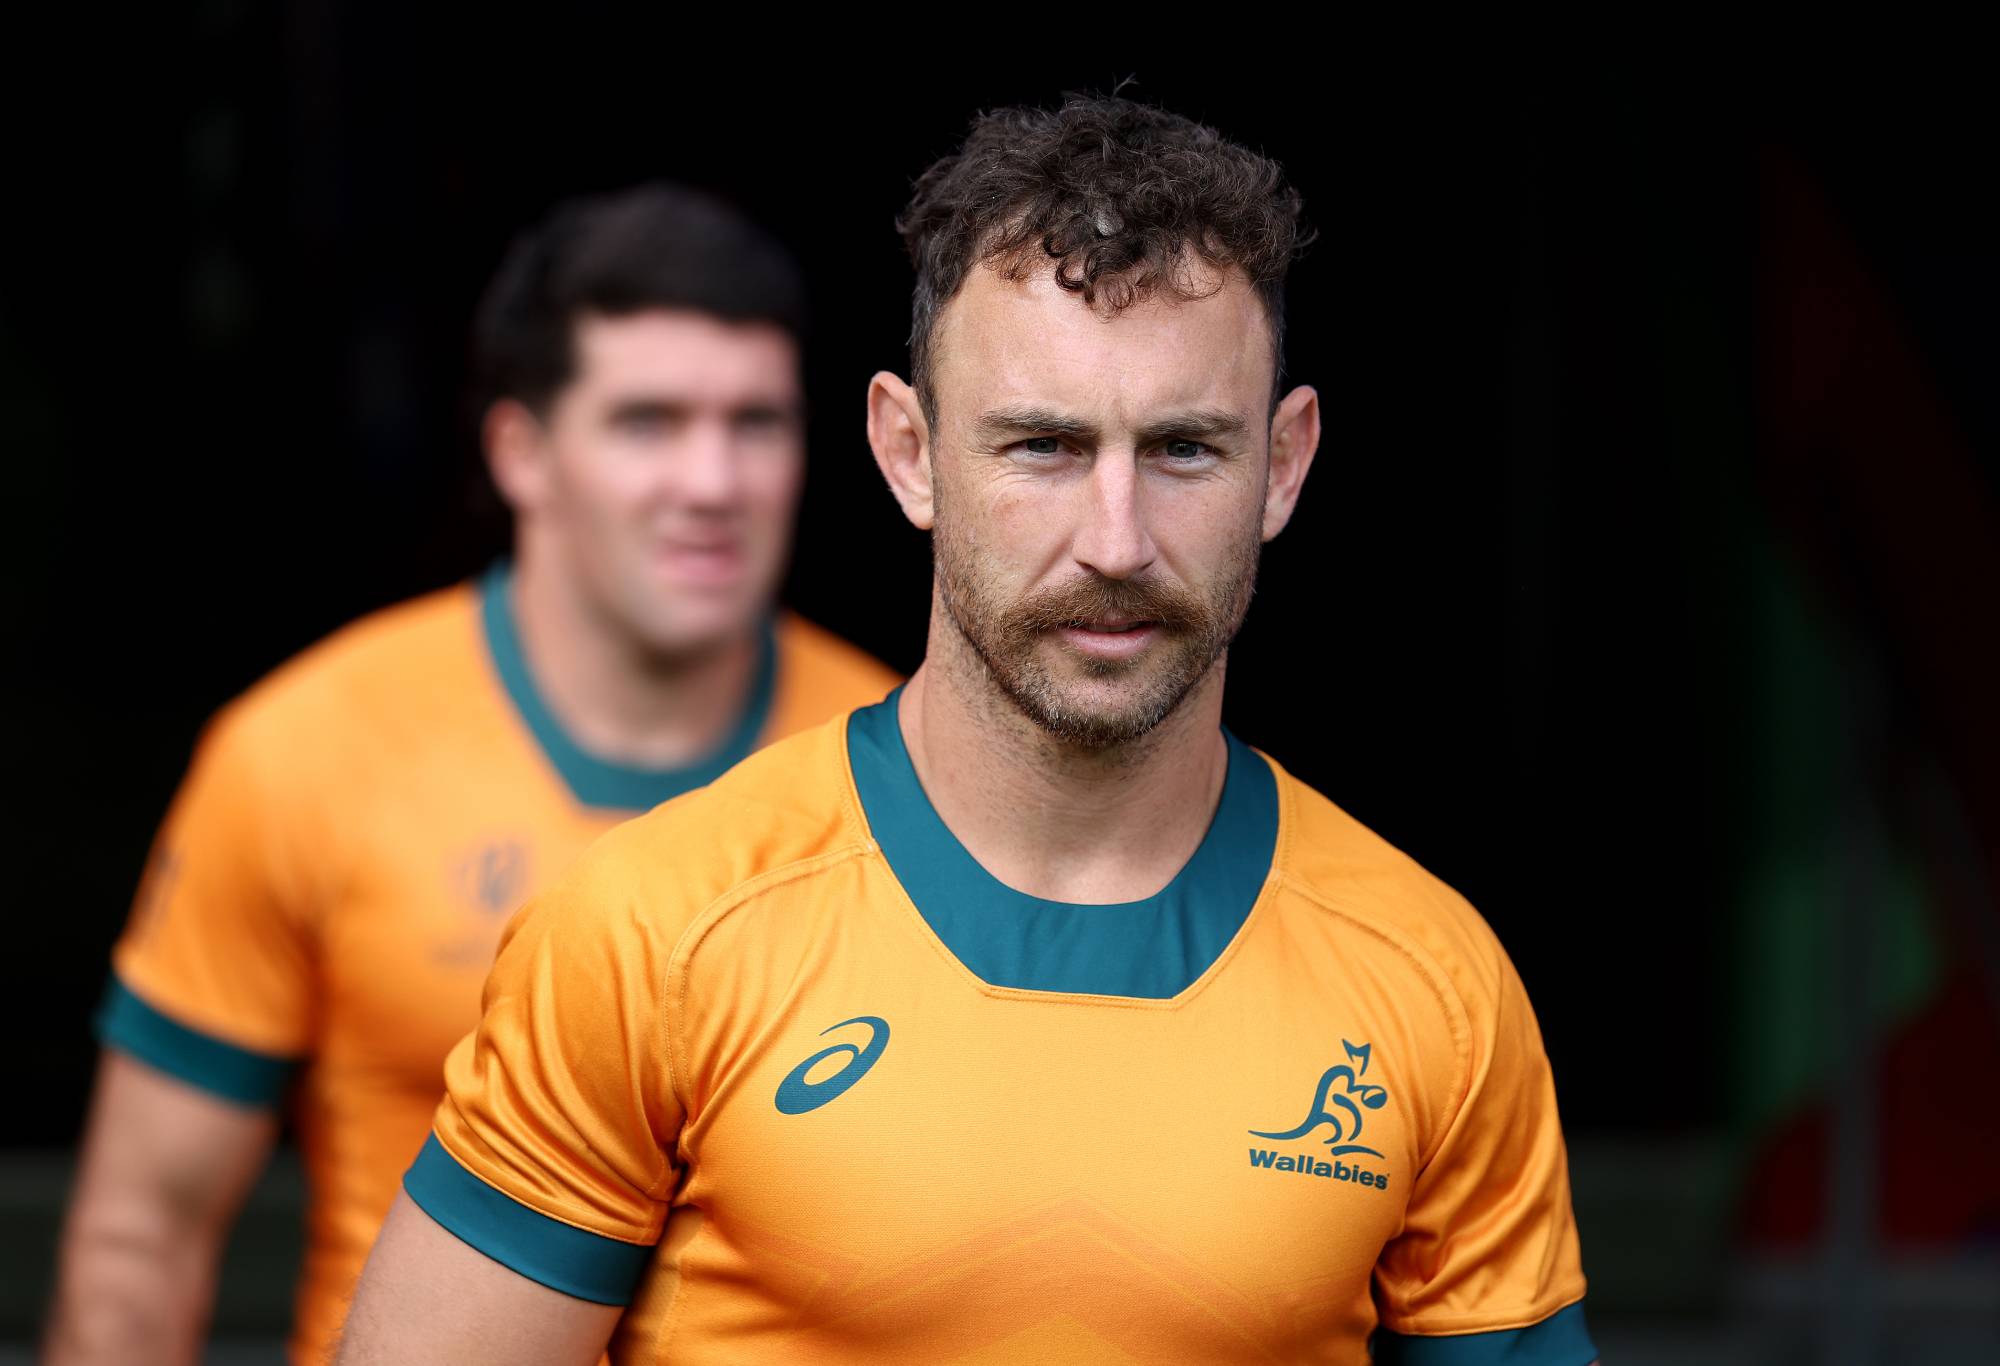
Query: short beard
{"points": [[1196, 629]]}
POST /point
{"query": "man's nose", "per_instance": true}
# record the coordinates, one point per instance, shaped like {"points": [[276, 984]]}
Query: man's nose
{"points": [[707, 469], [1112, 537]]}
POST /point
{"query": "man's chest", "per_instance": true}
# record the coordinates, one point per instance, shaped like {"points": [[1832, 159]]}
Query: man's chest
{"points": [[889, 1151], [412, 927]]}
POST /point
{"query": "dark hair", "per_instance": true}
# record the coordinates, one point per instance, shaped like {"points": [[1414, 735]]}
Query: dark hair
{"points": [[652, 246], [1116, 193]]}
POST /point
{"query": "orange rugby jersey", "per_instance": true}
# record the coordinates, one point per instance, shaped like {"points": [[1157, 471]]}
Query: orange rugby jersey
{"points": [[327, 891], [782, 1068]]}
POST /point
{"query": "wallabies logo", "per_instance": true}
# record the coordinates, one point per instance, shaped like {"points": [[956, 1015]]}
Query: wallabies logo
{"points": [[1350, 1100]]}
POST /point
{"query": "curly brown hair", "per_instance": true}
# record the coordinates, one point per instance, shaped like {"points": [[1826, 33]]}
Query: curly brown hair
{"points": [[1118, 194]]}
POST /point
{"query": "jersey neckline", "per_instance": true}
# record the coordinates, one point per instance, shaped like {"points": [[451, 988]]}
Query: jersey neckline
{"points": [[1151, 949], [596, 781]]}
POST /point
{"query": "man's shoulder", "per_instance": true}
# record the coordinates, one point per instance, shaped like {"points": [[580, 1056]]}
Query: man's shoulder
{"points": [[392, 658], [1343, 868], [817, 663], [782, 812]]}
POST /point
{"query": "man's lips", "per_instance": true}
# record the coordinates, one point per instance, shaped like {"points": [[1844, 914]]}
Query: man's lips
{"points": [[702, 561], [1112, 639]]}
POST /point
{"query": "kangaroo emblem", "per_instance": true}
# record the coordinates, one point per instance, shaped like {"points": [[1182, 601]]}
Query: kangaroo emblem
{"points": [[1369, 1096]]}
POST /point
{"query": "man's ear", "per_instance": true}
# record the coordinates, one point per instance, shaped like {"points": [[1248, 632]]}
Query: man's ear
{"points": [[516, 448], [901, 441], [1294, 440]]}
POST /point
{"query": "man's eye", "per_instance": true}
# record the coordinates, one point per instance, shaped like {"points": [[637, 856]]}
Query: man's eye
{"points": [[1185, 450], [1042, 445]]}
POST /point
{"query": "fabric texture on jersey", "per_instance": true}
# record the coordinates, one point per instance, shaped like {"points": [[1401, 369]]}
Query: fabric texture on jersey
{"points": [[730, 1045], [325, 896]]}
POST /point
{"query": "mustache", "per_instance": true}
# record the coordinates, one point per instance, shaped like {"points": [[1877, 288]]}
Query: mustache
{"points": [[1096, 598]]}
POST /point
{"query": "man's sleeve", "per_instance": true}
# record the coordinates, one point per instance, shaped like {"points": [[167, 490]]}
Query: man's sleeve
{"points": [[1487, 1269], [551, 1151], [212, 979]]}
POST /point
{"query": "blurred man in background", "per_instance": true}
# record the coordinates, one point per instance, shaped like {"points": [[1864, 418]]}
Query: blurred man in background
{"points": [[323, 901]]}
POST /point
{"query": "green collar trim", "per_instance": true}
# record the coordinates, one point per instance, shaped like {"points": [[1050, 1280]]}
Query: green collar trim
{"points": [[595, 781], [1155, 948]]}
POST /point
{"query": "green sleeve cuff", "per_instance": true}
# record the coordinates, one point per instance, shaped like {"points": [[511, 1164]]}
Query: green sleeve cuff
{"points": [[1561, 1339], [561, 1256], [234, 1073]]}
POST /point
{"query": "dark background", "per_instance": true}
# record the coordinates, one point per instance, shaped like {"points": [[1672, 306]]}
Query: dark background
{"points": [[1646, 586]]}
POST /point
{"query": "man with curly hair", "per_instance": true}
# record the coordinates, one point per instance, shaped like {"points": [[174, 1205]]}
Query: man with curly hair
{"points": [[1027, 1015]]}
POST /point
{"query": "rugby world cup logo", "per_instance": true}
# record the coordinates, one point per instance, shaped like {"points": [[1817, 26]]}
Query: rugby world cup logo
{"points": [[494, 877], [1338, 1104]]}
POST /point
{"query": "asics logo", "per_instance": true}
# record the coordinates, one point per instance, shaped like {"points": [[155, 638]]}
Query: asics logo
{"points": [[796, 1095]]}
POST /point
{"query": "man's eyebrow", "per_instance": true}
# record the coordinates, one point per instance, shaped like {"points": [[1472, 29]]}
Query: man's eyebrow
{"points": [[995, 423], [1198, 424], [681, 406], [649, 406]]}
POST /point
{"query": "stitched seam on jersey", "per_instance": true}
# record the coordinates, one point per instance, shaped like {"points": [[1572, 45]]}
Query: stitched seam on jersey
{"points": [[672, 1320], [680, 956], [1419, 1326], [1455, 1011], [671, 1317], [574, 1220], [678, 961], [850, 793], [850, 796]]}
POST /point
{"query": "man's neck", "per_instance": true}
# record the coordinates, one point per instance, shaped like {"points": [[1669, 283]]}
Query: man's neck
{"points": [[615, 698], [1051, 819]]}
